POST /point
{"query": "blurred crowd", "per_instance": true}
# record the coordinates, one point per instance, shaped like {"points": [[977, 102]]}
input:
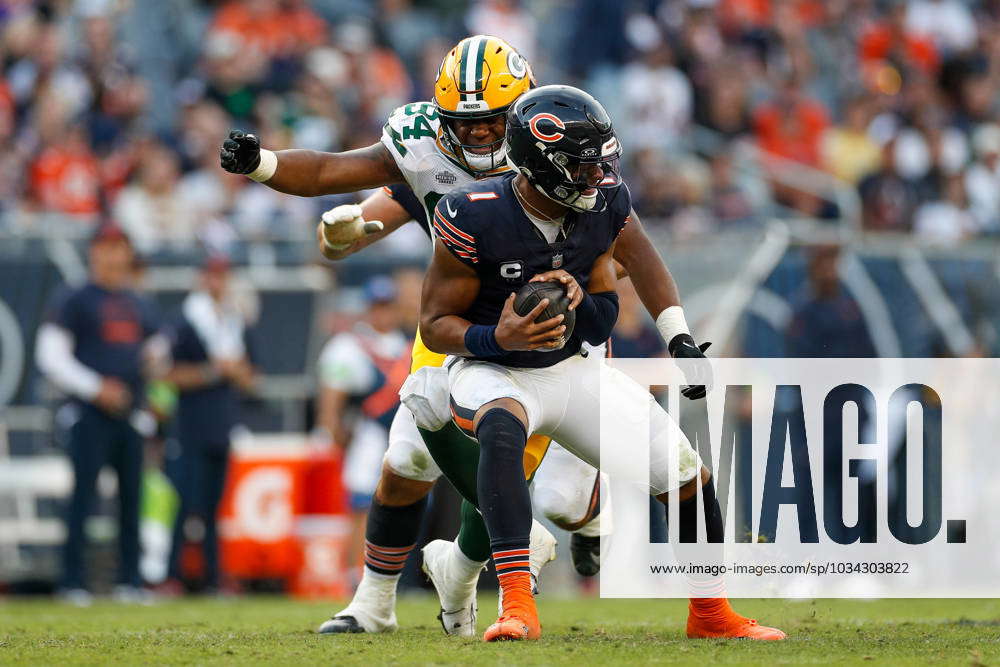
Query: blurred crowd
{"points": [[730, 110]]}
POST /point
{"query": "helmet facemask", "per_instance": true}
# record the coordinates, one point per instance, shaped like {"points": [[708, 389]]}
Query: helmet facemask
{"points": [[466, 153], [570, 187]]}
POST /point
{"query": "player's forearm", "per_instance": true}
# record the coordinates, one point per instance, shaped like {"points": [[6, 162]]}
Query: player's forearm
{"points": [[334, 254], [308, 173], [596, 316], [445, 334]]}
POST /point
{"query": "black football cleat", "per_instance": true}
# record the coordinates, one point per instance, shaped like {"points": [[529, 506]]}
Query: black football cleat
{"points": [[586, 553], [341, 625]]}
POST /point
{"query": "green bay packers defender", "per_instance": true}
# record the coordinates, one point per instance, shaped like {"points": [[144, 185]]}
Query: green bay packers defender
{"points": [[434, 147]]}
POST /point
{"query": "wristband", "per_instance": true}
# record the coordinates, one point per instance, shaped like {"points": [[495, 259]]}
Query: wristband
{"points": [[671, 323], [481, 341], [265, 170]]}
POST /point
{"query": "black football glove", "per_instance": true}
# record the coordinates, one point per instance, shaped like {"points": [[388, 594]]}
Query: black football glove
{"points": [[240, 153], [698, 373]]}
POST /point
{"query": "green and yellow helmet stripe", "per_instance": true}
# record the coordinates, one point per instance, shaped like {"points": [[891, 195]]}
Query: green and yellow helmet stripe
{"points": [[480, 66], [480, 74], [463, 66]]}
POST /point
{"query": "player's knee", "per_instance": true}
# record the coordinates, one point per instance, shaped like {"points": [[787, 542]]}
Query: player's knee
{"points": [[395, 490], [500, 431], [497, 408]]}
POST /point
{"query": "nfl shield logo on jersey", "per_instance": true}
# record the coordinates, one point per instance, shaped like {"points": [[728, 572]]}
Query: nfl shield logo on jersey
{"points": [[557, 260]]}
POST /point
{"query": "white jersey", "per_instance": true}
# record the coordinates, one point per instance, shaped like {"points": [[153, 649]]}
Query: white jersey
{"points": [[413, 137]]}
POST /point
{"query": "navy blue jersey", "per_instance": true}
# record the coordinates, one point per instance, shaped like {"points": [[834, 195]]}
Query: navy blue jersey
{"points": [[108, 329], [206, 414], [403, 195], [484, 226]]}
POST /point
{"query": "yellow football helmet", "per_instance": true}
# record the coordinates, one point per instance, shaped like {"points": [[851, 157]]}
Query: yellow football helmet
{"points": [[479, 78]]}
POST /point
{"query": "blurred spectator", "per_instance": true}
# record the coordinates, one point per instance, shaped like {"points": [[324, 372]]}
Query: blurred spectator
{"points": [[722, 104], [279, 29], [65, 175], [150, 209], [119, 96], [212, 365], [377, 74], [508, 20], [948, 22], [84, 84], [730, 201], [92, 348], [948, 219], [886, 45], [360, 373], [410, 30], [791, 125], [656, 108], [597, 42], [982, 180], [847, 150], [826, 321], [887, 200]]}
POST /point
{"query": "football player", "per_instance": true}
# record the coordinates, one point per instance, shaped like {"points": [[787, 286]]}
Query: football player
{"points": [[562, 214], [433, 147], [477, 81]]}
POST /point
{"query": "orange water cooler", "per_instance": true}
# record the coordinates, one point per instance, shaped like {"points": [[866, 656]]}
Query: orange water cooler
{"points": [[284, 515]]}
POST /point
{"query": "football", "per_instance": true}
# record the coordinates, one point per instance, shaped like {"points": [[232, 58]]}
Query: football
{"points": [[528, 297]]}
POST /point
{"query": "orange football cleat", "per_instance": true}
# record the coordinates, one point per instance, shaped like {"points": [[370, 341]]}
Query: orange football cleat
{"points": [[731, 626], [518, 621]]}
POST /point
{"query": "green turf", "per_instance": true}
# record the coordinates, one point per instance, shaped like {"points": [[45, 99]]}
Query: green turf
{"points": [[586, 632]]}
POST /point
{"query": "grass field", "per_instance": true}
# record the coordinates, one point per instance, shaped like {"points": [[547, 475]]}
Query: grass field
{"points": [[585, 632]]}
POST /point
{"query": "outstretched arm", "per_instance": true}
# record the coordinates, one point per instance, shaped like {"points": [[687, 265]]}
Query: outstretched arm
{"points": [[309, 173]]}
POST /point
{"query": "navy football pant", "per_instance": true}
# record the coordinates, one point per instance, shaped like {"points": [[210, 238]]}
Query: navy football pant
{"points": [[96, 440]]}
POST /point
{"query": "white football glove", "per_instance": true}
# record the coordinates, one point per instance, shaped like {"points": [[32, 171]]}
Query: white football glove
{"points": [[344, 224]]}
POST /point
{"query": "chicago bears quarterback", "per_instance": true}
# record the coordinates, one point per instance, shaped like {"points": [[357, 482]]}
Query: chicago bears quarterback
{"points": [[558, 217], [433, 147]]}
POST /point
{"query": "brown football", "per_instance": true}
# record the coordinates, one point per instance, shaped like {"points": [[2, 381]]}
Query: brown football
{"points": [[528, 297]]}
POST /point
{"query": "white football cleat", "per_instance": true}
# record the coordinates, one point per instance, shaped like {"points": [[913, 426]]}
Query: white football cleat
{"points": [[372, 609], [454, 577], [543, 551]]}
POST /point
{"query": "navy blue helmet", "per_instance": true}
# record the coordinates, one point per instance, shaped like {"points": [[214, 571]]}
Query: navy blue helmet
{"points": [[555, 136]]}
